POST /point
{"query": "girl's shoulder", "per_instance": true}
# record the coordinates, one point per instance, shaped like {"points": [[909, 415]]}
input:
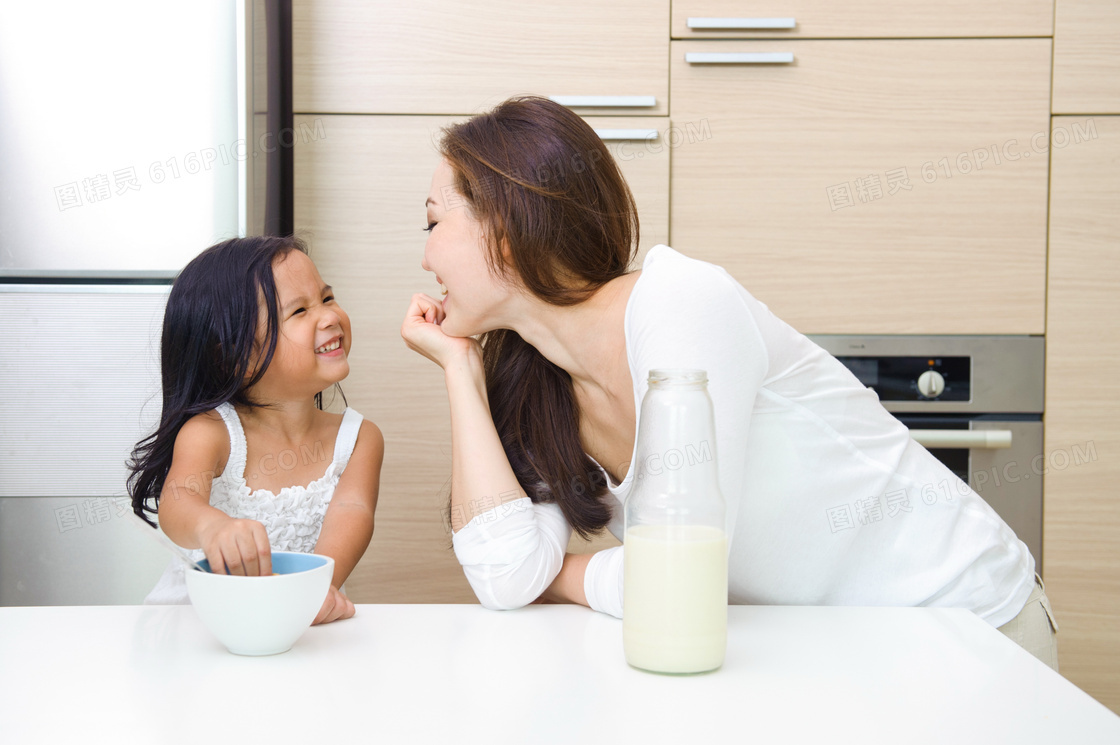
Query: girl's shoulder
{"points": [[369, 433], [207, 425], [206, 434]]}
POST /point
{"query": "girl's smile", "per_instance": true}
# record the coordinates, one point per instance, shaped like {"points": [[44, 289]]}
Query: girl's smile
{"points": [[314, 339], [332, 348]]}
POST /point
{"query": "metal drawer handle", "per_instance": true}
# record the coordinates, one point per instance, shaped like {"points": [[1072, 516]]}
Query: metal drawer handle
{"points": [[738, 58], [627, 134], [613, 102], [707, 24], [990, 439]]}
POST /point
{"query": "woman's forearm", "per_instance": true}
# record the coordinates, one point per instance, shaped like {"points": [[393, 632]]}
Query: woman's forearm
{"points": [[481, 477], [568, 585]]}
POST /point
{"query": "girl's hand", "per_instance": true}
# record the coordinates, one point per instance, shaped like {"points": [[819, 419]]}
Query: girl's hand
{"points": [[336, 607], [421, 331], [237, 545]]}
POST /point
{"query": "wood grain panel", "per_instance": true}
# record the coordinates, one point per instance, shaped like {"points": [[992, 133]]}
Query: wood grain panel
{"points": [[359, 199], [1087, 57], [438, 57], [1081, 538], [868, 19], [791, 189], [360, 187], [645, 166]]}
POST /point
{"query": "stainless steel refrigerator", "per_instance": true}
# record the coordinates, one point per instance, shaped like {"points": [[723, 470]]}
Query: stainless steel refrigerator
{"points": [[126, 147]]}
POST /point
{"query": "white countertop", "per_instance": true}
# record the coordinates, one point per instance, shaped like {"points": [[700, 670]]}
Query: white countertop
{"points": [[453, 674]]}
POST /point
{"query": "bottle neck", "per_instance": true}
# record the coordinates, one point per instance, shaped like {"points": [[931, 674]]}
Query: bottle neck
{"points": [[666, 377]]}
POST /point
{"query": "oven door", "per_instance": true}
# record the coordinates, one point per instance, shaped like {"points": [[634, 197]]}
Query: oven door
{"points": [[999, 457]]}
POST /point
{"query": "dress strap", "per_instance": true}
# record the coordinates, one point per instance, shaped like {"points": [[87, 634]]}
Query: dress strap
{"points": [[235, 466], [347, 436]]}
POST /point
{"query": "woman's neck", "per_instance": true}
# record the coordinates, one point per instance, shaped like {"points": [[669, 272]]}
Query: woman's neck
{"points": [[586, 340]]}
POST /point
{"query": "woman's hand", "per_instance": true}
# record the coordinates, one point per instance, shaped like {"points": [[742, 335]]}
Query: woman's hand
{"points": [[336, 607], [421, 331], [236, 546]]}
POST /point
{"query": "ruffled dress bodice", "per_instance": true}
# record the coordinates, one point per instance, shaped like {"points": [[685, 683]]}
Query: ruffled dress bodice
{"points": [[293, 517]]}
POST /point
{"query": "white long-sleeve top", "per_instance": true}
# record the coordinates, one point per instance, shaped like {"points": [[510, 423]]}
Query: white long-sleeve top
{"points": [[829, 500]]}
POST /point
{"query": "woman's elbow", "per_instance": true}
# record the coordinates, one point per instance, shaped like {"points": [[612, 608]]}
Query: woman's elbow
{"points": [[509, 588]]}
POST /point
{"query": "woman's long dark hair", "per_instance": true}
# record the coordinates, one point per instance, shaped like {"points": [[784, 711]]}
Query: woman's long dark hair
{"points": [[544, 185], [208, 347]]}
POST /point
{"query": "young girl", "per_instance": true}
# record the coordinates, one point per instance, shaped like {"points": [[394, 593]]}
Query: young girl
{"points": [[245, 461]]}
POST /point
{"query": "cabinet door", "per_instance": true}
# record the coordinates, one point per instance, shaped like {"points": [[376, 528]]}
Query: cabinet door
{"points": [[1087, 57], [361, 182], [860, 19], [870, 186], [359, 203], [1082, 468], [440, 57]]}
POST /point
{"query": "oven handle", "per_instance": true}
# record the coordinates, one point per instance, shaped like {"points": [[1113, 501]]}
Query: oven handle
{"points": [[991, 439]]}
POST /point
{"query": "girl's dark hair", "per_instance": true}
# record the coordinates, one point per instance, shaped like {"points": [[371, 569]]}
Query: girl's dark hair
{"points": [[209, 347], [558, 215]]}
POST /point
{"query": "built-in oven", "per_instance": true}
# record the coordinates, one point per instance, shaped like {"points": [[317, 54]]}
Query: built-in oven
{"points": [[975, 402]]}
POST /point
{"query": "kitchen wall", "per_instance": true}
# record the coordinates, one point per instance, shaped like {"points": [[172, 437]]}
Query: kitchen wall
{"points": [[893, 167]]}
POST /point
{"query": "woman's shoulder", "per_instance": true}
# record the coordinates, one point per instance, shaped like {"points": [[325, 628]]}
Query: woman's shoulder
{"points": [[672, 282], [665, 264]]}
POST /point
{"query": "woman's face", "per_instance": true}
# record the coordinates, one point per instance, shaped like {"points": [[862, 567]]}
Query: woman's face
{"points": [[456, 252]]}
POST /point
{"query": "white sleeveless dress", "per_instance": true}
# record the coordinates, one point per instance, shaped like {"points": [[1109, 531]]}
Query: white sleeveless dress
{"points": [[293, 518]]}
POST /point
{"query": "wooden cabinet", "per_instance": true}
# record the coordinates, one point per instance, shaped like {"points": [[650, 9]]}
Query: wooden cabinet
{"points": [[359, 197], [869, 186], [642, 147], [861, 19], [1081, 540], [1087, 57], [890, 177], [360, 189], [437, 57]]}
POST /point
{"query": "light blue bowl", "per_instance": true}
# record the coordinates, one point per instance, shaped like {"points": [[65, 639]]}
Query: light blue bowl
{"points": [[286, 562], [262, 615]]}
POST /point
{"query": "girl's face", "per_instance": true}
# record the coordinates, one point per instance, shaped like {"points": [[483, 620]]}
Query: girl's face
{"points": [[313, 342], [456, 252]]}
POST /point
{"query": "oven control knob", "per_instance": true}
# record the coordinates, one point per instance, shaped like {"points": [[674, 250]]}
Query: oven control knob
{"points": [[931, 384]]}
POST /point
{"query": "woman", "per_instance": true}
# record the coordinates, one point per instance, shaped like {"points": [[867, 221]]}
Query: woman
{"points": [[531, 234]]}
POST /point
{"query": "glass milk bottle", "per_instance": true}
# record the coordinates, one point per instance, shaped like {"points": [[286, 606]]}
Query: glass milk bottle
{"points": [[674, 616]]}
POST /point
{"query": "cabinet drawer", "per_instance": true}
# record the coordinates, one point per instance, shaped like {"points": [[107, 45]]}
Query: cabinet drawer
{"points": [[859, 19], [798, 188], [1087, 57], [359, 201], [429, 57]]}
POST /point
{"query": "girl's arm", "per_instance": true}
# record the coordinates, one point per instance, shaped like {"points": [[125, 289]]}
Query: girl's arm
{"points": [[185, 514], [348, 524]]}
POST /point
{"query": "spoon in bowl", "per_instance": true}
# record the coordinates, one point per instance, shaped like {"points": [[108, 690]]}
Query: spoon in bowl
{"points": [[164, 541]]}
